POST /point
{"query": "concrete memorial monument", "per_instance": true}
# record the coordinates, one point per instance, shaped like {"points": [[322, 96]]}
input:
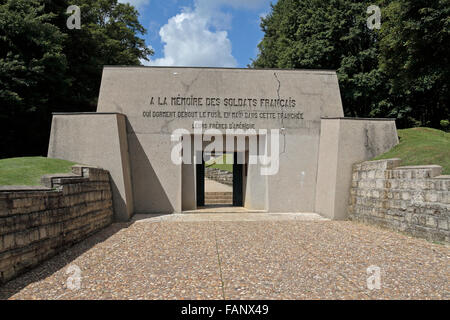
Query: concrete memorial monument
{"points": [[294, 151]]}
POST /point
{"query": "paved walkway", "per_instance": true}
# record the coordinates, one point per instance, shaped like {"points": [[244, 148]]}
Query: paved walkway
{"points": [[251, 256]]}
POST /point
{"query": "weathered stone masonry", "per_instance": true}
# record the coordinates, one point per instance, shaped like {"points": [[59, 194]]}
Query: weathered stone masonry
{"points": [[37, 224], [414, 200]]}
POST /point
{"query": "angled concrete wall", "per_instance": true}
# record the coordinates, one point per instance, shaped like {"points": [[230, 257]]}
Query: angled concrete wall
{"points": [[97, 139], [412, 199], [343, 142]]}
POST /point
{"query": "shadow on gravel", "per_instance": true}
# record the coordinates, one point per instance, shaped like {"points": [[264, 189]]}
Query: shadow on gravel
{"points": [[59, 261]]}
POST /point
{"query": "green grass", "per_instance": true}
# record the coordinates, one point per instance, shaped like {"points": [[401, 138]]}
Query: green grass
{"points": [[227, 164], [28, 170], [422, 146]]}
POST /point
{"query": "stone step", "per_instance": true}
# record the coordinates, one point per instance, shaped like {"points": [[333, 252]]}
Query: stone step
{"points": [[218, 198]]}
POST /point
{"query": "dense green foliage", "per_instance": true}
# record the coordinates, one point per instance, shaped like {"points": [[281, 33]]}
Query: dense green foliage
{"points": [[422, 146], [27, 171], [46, 67], [414, 55], [401, 71]]}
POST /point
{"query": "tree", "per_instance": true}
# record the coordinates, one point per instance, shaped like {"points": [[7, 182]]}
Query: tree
{"points": [[414, 56], [45, 67]]}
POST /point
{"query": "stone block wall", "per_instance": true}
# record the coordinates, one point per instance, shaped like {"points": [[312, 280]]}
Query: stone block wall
{"points": [[38, 222], [221, 176], [414, 200]]}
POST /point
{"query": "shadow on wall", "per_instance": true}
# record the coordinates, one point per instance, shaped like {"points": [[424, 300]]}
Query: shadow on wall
{"points": [[119, 202], [149, 193]]}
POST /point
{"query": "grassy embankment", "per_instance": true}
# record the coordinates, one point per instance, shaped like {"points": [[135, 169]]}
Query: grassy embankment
{"points": [[422, 146]]}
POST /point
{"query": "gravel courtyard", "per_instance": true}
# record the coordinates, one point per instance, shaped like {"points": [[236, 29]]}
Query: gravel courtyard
{"points": [[241, 256]]}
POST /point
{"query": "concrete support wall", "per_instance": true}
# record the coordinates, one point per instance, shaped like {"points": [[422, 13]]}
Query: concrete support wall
{"points": [[35, 225], [414, 200], [343, 142], [97, 139]]}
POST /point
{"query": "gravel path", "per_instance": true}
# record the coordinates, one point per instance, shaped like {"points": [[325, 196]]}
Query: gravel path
{"points": [[263, 257]]}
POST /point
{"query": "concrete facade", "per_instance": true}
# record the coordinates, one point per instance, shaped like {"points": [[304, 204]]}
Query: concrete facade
{"points": [[152, 102], [413, 200]]}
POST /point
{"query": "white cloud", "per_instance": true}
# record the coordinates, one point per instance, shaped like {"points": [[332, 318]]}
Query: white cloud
{"points": [[190, 42]]}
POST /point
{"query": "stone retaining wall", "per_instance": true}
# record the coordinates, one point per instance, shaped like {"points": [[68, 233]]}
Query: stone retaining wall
{"points": [[38, 222], [414, 200], [221, 176]]}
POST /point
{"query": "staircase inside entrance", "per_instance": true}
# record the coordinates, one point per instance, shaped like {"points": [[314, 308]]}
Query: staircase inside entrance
{"points": [[216, 198]]}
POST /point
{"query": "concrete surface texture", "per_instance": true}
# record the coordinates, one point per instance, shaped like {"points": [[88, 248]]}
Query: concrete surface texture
{"points": [[162, 258]]}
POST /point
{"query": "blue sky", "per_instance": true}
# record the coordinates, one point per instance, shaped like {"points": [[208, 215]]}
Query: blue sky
{"points": [[209, 33]]}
